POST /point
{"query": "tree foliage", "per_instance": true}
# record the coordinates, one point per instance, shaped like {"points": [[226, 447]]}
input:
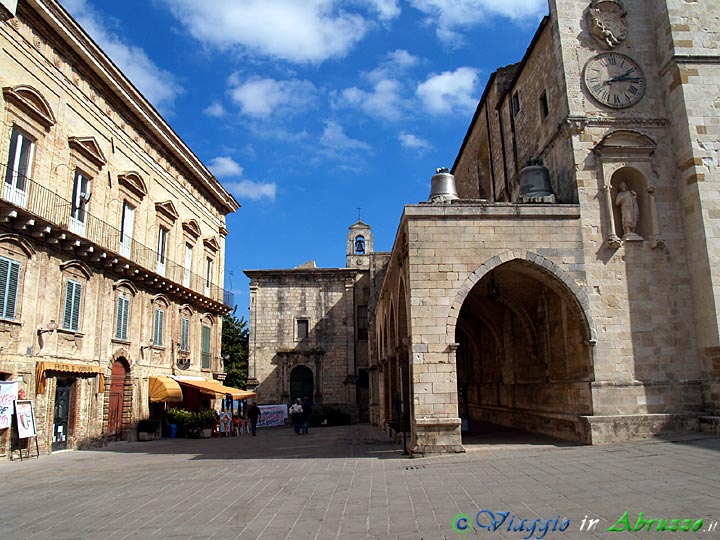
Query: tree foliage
{"points": [[235, 341]]}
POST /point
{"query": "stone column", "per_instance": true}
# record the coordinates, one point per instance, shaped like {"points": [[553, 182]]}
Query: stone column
{"points": [[613, 239]]}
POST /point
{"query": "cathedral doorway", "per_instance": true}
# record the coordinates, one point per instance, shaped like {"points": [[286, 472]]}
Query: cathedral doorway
{"points": [[523, 357], [301, 383]]}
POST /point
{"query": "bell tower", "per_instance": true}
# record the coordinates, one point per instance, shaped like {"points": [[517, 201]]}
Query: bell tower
{"points": [[359, 246]]}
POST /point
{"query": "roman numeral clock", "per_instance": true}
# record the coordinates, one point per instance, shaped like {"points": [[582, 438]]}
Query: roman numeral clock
{"points": [[614, 80]]}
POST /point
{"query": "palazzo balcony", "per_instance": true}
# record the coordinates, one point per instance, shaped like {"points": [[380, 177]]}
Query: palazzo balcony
{"points": [[32, 210]]}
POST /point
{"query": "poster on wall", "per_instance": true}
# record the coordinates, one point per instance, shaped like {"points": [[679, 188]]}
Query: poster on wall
{"points": [[8, 395], [25, 418]]}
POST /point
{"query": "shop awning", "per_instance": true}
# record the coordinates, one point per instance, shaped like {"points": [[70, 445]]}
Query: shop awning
{"points": [[215, 389], [64, 367], [164, 389]]}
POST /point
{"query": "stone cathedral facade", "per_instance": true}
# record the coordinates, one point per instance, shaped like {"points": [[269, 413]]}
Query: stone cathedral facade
{"points": [[570, 286]]}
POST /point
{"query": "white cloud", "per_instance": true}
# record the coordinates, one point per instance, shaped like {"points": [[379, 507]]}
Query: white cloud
{"points": [[298, 31], [225, 166], [384, 101], [450, 91], [386, 9], [336, 145], [451, 16], [247, 189], [261, 98], [413, 142], [215, 109], [157, 85]]}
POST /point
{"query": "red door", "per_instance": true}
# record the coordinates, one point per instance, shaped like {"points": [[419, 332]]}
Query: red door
{"points": [[117, 399]]}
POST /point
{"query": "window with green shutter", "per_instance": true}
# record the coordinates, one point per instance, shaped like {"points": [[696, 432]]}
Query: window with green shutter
{"points": [[185, 334], [9, 279], [71, 311], [205, 356], [158, 324], [121, 320]]}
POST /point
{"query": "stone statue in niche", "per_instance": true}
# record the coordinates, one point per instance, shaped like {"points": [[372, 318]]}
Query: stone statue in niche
{"points": [[626, 200]]}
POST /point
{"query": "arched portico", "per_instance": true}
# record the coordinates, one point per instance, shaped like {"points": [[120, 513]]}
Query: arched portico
{"points": [[524, 353]]}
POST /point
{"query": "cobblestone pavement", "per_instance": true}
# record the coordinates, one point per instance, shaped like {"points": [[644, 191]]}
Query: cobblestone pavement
{"points": [[351, 483]]}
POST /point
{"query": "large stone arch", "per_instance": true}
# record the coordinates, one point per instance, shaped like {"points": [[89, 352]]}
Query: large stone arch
{"points": [[542, 264], [523, 339]]}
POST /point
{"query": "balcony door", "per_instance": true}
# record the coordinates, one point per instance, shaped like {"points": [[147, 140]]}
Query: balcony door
{"points": [[19, 169], [126, 230], [80, 198]]}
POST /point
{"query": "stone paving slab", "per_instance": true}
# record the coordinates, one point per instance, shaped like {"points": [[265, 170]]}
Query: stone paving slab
{"points": [[352, 483]]}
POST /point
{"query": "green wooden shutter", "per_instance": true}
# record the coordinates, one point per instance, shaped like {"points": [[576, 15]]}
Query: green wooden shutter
{"points": [[121, 325], [205, 347], [185, 334], [77, 295], [158, 324], [9, 278], [71, 311]]}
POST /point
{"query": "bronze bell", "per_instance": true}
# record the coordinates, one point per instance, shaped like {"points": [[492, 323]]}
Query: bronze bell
{"points": [[535, 183], [442, 189]]}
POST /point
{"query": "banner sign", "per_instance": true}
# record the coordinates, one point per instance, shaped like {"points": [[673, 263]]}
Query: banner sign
{"points": [[272, 415], [25, 419], [8, 395]]}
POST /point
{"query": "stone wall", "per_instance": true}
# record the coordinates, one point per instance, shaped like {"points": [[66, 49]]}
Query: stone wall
{"points": [[324, 297]]}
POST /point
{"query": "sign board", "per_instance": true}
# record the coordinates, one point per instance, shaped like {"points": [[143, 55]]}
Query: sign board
{"points": [[225, 422], [8, 395], [272, 415], [25, 419]]}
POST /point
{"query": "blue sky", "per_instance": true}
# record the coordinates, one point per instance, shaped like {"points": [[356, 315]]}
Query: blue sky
{"points": [[307, 110]]}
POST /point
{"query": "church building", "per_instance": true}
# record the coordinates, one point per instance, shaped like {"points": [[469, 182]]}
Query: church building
{"points": [[563, 276]]}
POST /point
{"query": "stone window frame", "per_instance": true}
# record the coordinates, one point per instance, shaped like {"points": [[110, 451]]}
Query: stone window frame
{"points": [[77, 272], [297, 326], [17, 249], [166, 216], [160, 303], [207, 321], [544, 105], [30, 113], [211, 247], [191, 234], [125, 289], [85, 158], [186, 312], [360, 335]]}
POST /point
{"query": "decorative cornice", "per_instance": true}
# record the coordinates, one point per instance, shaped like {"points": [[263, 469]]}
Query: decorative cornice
{"points": [[89, 148], [191, 228], [134, 182], [168, 209], [31, 102], [211, 244]]}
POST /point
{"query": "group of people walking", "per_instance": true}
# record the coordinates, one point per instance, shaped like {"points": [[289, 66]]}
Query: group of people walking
{"points": [[300, 414]]}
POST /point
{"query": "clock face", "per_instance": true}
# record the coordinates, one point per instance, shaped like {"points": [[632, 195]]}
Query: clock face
{"points": [[614, 80]]}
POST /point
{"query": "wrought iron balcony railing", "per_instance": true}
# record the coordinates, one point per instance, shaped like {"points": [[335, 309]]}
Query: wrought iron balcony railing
{"points": [[23, 193]]}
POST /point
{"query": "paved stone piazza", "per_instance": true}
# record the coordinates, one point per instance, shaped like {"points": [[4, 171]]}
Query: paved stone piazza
{"points": [[352, 483]]}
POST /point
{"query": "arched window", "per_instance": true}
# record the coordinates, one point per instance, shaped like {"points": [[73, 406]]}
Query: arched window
{"points": [[359, 245]]}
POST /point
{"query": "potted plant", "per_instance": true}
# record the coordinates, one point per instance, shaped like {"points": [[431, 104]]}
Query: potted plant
{"points": [[147, 429], [205, 422]]}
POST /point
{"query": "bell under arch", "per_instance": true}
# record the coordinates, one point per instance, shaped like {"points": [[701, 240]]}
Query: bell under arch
{"points": [[524, 356]]}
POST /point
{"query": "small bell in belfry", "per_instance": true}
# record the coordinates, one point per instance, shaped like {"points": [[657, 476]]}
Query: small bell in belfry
{"points": [[535, 186]]}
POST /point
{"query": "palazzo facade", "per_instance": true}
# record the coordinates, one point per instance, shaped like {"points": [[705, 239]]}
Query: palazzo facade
{"points": [[112, 238]]}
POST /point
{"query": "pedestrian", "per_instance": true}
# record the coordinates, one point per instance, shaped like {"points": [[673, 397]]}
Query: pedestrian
{"points": [[306, 414], [296, 415], [253, 413]]}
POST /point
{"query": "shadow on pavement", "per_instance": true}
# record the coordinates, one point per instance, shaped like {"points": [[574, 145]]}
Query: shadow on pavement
{"points": [[359, 440], [484, 435]]}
